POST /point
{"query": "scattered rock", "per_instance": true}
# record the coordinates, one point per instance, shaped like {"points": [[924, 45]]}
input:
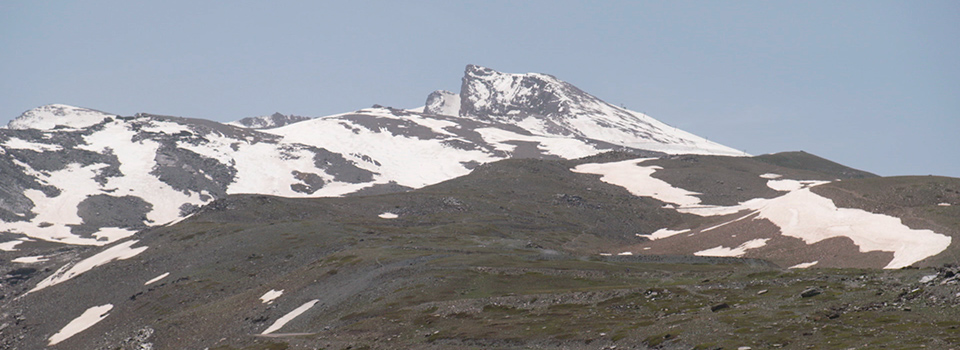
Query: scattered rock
{"points": [[810, 292], [719, 307]]}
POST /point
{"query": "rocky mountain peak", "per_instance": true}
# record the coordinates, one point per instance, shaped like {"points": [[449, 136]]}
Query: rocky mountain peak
{"points": [[485, 92], [545, 105], [442, 102]]}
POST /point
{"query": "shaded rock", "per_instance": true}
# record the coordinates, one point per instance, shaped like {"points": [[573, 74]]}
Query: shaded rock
{"points": [[719, 307]]}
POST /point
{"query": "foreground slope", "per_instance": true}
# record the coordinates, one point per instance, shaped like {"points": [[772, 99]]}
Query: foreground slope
{"points": [[508, 256]]}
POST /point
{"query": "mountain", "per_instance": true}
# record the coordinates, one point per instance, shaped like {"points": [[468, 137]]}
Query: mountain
{"points": [[520, 213], [80, 176]]}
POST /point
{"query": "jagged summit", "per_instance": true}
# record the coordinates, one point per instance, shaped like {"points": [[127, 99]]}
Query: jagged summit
{"points": [[545, 105], [442, 102], [51, 116]]}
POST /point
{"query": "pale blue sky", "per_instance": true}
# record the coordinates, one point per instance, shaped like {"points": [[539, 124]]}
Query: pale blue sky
{"points": [[870, 84]]}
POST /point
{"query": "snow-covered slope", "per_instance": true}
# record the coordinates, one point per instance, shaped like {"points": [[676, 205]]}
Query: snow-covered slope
{"points": [[79, 176], [51, 116]]}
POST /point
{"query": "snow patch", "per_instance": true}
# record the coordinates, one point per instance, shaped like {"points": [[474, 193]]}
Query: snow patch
{"points": [[729, 222], [86, 320], [155, 279], [16, 143], [388, 215], [734, 252], [771, 176], [927, 278], [792, 185], [944, 204], [30, 259], [269, 296], [121, 251], [804, 265], [638, 180], [290, 316], [10, 246], [663, 233]]}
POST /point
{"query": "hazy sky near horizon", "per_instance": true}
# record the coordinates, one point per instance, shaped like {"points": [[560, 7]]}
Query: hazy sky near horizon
{"points": [[870, 84]]}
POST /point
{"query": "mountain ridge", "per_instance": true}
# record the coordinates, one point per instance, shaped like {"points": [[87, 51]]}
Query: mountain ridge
{"points": [[71, 163]]}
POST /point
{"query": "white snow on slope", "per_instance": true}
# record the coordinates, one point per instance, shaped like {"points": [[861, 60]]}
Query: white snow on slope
{"points": [[638, 180], [282, 321], [663, 233], [771, 176], [76, 183], [734, 252], [559, 146], [49, 116], [423, 162], [388, 216], [136, 163], [156, 279], [17, 143], [86, 320], [793, 185], [804, 265], [10, 246], [29, 259], [800, 213], [271, 295], [121, 251]]}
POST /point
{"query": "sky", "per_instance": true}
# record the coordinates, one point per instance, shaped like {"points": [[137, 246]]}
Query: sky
{"points": [[874, 85]]}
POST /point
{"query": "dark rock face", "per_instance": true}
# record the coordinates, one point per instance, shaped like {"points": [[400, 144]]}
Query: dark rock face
{"points": [[186, 171], [310, 182], [109, 211], [338, 166], [395, 127]]}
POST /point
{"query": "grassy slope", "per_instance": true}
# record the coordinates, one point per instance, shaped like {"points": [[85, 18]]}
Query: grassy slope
{"points": [[806, 161]]}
